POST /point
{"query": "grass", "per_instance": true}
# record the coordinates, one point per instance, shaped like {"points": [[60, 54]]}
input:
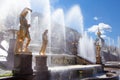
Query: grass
{"points": [[8, 74]]}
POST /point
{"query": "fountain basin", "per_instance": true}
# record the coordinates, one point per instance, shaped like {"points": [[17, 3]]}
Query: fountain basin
{"points": [[74, 72], [107, 76]]}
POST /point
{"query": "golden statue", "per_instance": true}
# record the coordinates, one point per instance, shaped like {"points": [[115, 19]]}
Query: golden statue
{"points": [[99, 33], [23, 32], [44, 42], [98, 56], [98, 47]]}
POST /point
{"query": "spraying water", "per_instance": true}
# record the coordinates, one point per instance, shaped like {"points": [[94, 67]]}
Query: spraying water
{"points": [[74, 18], [42, 21], [58, 31], [86, 48], [10, 11]]}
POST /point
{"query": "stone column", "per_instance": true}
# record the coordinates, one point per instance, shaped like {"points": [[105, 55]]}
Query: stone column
{"points": [[23, 65], [42, 72]]}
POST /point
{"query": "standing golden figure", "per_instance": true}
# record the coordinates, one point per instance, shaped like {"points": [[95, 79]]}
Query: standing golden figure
{"points": [[99, 45], [23, 32], [44, 42]]}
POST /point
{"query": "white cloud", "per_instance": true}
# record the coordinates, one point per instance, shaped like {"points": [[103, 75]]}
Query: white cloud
{"points": [[95, 18], [102, 26], [103, 36]]}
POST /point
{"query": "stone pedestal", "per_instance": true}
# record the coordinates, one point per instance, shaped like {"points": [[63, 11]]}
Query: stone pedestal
{"points": [[42, 72], [98, 60], [23, 64]]}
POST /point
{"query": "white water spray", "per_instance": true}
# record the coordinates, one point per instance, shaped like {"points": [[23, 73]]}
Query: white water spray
{"points": [[58, 30], [86, 48], [74, 18]]}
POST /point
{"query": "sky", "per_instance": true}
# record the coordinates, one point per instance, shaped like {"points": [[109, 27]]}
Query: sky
{"points": [[102, 13]]}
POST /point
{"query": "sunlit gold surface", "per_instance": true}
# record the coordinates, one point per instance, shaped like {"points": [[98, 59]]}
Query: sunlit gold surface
{"points": [[98, 57], [44, 43], [99, 33], [98, 49], [23, 33]]}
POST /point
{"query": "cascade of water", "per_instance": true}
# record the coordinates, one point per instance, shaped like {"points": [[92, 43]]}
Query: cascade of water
{"points": [[113, 42], [35, 29], [58, 31], [119, 47], [74, 18], [86, 48], [118, 40], [43, 7]]}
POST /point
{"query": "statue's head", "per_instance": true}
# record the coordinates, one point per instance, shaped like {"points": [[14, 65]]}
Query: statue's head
{"points": [[99, 33], [46, 31]]}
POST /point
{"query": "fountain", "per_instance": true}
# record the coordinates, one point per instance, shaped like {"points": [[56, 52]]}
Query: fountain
{"points": [[86, 48], [74, 18], [41, 20], [44, 19], [61, 56], [58, 35]]}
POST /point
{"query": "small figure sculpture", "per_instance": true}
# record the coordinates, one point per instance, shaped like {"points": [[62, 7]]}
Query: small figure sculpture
{"points": [[23, 32], [44, 42], [99, 43]]}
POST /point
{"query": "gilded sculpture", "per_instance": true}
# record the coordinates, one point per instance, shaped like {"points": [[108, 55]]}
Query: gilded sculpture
{"points": [[98, 44], [23, 33], [44, 42]]}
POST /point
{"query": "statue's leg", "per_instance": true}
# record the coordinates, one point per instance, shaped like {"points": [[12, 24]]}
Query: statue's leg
{"points": [[18, 47], [28, 41], [21, 44], [41, 50], [44, 48]]}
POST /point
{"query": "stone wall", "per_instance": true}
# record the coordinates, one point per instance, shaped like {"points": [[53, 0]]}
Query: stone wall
{"points": [[108, 56], [61, 60]]}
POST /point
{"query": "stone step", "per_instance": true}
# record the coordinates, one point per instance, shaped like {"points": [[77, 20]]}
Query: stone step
{"points": [[83, 61]]}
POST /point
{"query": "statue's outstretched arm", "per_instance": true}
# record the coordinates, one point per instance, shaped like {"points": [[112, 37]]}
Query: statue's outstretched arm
{"points": [[26, 10], [29, 9]]}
